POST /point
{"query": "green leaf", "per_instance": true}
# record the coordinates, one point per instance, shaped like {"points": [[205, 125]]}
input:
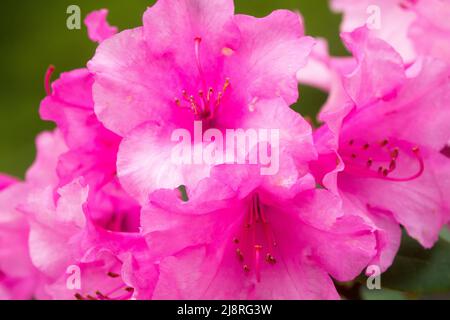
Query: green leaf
{"points": [[420, 271]]}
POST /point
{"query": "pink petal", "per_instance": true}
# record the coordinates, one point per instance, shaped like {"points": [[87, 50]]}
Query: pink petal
{"points": [[395, 21], [271, 51], [149, 147], [98, 28]]}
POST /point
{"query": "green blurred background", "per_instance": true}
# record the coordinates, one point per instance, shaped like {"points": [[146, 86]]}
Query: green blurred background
{"points": [[34, 35]]}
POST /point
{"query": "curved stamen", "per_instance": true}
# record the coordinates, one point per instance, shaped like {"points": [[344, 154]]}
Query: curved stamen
{"points": [[48, 79], [385, 154]]}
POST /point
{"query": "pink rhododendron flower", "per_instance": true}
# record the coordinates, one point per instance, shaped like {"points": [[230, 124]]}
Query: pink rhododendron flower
{"points": [[183, 65], [387, 139], [233, 239], [63, 234], [100, 215]]}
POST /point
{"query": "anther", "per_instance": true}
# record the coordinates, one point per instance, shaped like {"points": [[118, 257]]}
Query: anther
{"points": [[113, 275], [239, 254], [384, 143], [366, 146], [79, 296], [246, 268], [395, 153], [270, 259], [226, 85], [392, 165], [210, 92], [369, 162]]}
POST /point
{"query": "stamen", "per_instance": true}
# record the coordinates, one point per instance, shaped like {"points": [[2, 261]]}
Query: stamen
{"points": [[239, 254], [48, 79], [79, 296], [226, 85], [113, 275], [394, 153], [258, 249], [100, 295], [386, 155], [255, 241], [197, 42], [210, 93]]}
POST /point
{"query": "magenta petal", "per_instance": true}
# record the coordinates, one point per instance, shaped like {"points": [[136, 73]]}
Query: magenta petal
{"points": [[271, 52], [379, 70], [6, 181]]}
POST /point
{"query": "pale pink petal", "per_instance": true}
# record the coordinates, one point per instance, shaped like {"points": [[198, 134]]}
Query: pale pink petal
{"points": [[50, 145], [145, 162], [98, 27], [389, 19]]}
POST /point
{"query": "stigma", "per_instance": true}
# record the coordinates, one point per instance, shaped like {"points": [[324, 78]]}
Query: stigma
{"points": [[205, 102]]}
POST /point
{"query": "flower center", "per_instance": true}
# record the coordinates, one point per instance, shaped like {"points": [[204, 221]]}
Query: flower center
{"points": [[205, 102], [387, 160], [121, 292], [255, 240]]}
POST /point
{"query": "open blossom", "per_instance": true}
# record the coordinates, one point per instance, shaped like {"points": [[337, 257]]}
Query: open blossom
{"points": [[188, 65], [100, 214], [63, 236], [234, 239], [75, 226], [412, 27], [387, 139]]}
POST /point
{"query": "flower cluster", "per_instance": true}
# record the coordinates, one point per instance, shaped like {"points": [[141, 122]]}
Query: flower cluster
{"points": [[104, 213]]}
